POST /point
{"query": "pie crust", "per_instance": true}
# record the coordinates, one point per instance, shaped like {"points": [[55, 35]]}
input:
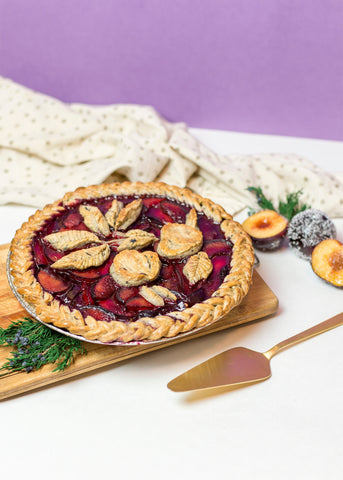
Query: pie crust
{"points": [[51, 311]]}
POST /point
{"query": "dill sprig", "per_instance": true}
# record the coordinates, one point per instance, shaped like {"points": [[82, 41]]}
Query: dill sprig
{"points": [[261, 199], [287, 209], [35, 345], [292, 206]]}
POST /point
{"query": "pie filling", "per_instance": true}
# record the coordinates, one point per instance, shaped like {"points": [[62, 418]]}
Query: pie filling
{"points": [[96, 290]]}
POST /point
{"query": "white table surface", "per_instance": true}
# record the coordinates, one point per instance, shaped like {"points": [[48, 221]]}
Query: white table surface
{"points": [[125, 423]]}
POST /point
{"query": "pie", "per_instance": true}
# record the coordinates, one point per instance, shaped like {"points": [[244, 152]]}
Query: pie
{"points": [[129, 262]]}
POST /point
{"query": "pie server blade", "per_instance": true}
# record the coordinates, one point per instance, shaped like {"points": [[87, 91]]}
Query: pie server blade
{"points": [[241, 366]]}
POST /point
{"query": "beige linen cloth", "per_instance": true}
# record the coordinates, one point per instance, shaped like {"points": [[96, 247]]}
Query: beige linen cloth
{"points": [[48, 148]]}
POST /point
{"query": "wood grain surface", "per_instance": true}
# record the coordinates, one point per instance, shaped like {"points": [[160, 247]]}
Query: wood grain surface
{"points": [[260, 302]]}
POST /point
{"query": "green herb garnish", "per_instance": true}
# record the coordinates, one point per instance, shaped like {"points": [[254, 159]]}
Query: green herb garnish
{"points": [[292, 206], [287, 209], [36, 345], [262, 201]]}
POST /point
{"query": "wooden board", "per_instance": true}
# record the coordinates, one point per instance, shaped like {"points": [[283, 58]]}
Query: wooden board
{"points": [[260, 302]]}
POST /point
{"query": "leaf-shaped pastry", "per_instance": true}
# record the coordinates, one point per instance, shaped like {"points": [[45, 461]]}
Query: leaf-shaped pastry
{"points": [[94, 219], [151, 296], [70, 239], [198, 267], [156, 294], [133, 268], [136, 239], [82, 259], [113, 212], [192, 218], [179, 240], [128, 214], [164, 292]]}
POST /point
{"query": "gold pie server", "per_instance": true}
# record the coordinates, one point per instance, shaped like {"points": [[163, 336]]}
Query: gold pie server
{"points": [[241, 366]]}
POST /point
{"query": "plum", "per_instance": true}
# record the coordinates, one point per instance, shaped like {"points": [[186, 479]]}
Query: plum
{"points": [[157, 214], [267, 229], [72, 220], [327, 261], [38, 253], [98, 313], [104, 288], [176, 212], [51, 283], [151, 201], [125, 293], [217, 247]]}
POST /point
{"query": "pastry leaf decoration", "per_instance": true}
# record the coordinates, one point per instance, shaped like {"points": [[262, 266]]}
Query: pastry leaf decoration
{"points": [[70, 239], [94, 219], [128, 214], [133, 268], [136, 239], [192, 218], [35, 345], [156, 294], [164, 292], [198, 267], [179, 240], [113, 212], [82, 259], [151, 296]]}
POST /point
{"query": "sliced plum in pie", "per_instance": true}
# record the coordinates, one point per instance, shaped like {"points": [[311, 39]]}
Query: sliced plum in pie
{"points": [[134, 260]]}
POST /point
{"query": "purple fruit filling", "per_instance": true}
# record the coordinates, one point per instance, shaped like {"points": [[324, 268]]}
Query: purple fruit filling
{"points": [[94, 292]]}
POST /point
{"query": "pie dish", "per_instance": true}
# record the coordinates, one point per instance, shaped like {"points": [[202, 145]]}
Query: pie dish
{"points": [[131, 262]]}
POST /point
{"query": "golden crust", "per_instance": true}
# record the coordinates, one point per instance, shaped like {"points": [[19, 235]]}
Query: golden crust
{"points": [[179, 240], [231, 292], [132, 268]]}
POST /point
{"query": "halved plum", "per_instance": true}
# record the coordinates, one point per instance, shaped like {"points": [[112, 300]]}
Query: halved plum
{"points": [[267, 229], [327, 261]]}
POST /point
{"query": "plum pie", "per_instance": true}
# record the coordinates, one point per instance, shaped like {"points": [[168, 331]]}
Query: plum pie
{"points": [[130, 262]]}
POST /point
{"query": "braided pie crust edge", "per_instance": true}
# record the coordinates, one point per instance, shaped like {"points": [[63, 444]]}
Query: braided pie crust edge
{"points": [[231, 292]]}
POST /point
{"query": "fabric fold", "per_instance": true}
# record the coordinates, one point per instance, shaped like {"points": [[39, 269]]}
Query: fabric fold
{"points": [[48, 147]]}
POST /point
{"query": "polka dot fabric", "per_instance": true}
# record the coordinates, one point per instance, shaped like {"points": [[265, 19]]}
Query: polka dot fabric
{"points": [[48, 148]]}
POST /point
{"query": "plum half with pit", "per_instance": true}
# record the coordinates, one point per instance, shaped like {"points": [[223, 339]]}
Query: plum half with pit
{"points": [[267, 229], [327, 261]]}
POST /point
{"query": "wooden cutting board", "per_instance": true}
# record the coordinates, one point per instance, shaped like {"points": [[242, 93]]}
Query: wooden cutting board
{"points": [[259, 303]]}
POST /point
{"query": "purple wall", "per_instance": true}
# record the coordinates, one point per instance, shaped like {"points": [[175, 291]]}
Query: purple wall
{"points": [[266, 66]]}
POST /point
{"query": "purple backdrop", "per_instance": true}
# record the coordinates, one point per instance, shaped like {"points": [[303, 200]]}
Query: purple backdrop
{"points": [[266, 66]]}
